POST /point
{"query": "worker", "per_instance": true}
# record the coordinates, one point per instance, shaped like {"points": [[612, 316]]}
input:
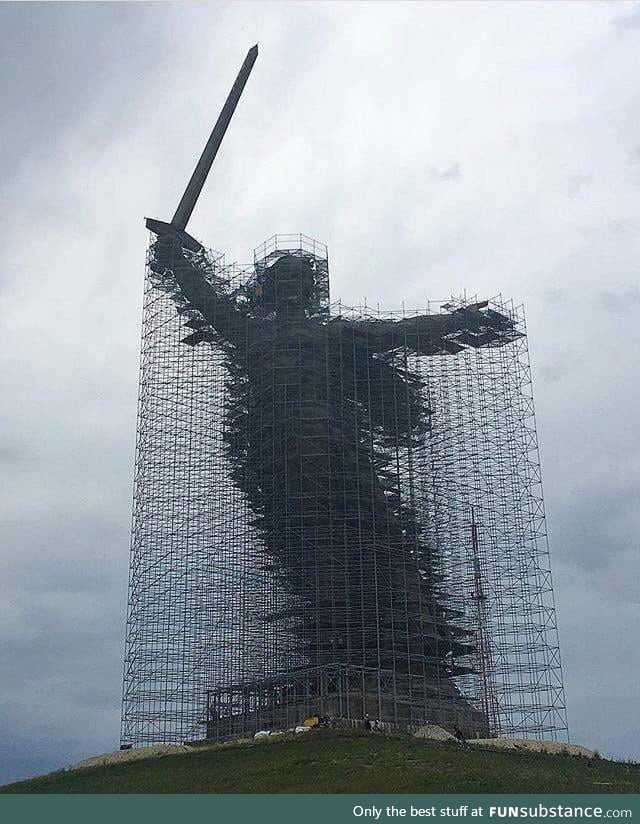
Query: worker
{"points": [[459, 734]]}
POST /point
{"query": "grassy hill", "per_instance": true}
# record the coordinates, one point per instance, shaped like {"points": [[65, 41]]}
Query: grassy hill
{"points": [[327, 761]]}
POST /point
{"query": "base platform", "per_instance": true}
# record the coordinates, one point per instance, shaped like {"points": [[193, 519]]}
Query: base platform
{"points": [[339, 691]]}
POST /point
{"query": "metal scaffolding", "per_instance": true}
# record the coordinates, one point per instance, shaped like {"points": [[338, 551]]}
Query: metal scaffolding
{"points": [[335, 509]]}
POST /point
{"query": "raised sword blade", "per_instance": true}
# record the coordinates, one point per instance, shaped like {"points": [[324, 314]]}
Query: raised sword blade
{"points": [[203, 166]]}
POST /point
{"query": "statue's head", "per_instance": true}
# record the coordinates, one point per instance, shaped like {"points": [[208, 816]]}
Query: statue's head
{"points": [[286, 286]]}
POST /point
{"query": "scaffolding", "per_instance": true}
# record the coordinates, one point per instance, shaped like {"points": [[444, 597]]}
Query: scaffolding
{"points": [[335, 509]]}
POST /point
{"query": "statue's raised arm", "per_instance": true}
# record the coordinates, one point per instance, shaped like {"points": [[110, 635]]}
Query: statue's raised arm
{"points": [[174, 261], [472, 326]]}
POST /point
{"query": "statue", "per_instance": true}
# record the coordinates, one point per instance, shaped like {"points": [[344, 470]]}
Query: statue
{"points": [[320, 409], [321, 406]]}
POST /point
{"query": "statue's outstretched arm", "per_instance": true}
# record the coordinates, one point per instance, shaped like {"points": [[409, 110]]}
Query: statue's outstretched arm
{"points": [[172, 260], [472, 326]]}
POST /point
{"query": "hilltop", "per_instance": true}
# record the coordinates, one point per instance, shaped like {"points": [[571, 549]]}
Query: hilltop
{"points": [[330, 761]]}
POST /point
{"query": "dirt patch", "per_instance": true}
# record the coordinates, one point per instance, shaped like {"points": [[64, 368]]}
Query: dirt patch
{"points": [[433, 732], [532, 745], [134, 754]]}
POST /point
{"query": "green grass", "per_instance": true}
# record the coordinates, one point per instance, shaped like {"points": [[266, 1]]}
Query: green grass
{"points": [[326, 761]]}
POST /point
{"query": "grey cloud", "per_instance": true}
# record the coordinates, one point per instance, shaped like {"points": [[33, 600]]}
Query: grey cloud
{"points": [[13, 454], [554, 372], [577, 183], [621, 302], [450, 173], [58, 61], [628, 21], [555, 296], [106, 106], [622, 226], [599, 530]]}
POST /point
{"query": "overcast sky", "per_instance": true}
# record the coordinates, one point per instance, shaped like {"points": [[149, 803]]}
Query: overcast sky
{"points": [[492, 147]]}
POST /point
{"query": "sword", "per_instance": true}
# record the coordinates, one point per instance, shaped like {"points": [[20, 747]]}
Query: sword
{"points": [[191, 194]]}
